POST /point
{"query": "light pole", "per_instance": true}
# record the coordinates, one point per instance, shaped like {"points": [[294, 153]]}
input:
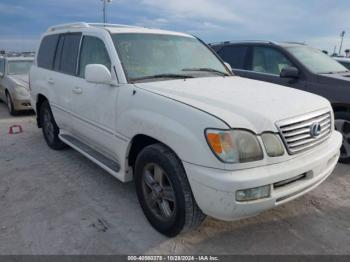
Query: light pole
{"points": [[341, 42], [104, 9]]}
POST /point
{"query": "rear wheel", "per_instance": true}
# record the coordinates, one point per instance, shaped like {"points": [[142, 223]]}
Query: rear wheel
{"points": [[164, 192], [10, 105], [342, 124], [50, 128]]}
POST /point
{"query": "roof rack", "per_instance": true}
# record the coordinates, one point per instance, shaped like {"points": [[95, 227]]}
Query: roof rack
{"points": [[70, 25], [85, 25], [243, 41]]}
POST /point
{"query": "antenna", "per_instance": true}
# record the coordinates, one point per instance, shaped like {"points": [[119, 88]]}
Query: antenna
{"points": [[104, 10]]}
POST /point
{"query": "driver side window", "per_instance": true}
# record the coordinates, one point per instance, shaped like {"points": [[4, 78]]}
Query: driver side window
{"points": [[268, 60], [93, 51]]}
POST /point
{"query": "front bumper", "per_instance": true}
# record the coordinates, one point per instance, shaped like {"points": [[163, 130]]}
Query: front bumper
{"points": [[22, 104], [215, 190]]}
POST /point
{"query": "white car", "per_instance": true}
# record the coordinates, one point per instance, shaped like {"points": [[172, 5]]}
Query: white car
{"points": [[161, 108], [14, 89]]}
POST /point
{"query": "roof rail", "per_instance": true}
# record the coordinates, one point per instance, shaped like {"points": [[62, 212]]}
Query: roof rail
{"points": [[84, 25], [70, 25], [109, 25], [243, 41]]}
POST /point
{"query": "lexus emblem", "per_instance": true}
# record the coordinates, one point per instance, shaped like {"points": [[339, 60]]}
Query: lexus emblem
{"points": [[315, 129]]}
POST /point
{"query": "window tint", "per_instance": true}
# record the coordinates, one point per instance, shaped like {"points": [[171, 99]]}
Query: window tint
{"points": [[58, 53], [346, 64], [93, 51], [234, 55], [2, 66], [69, 54], [269, 60], [47, 51]]}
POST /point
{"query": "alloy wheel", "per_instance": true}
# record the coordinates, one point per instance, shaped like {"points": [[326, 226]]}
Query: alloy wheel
{"points": [[158, 192], [48, 126]]}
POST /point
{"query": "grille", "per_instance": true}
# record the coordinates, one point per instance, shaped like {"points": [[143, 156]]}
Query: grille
{"points": [[296, 132]]}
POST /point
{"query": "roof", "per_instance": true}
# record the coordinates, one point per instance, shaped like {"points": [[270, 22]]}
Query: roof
{"points": [[19, 58], [115, 28]]}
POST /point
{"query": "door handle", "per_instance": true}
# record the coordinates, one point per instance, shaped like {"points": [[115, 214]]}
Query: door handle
{"points": [[77, 90], [51, 81]]}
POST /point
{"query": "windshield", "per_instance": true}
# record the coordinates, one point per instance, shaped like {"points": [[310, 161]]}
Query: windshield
{"points": [[148, 56], [315, 60], [19, 67]]}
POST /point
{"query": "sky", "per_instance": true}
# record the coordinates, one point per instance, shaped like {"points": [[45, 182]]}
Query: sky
{"points": [[315, 22]]}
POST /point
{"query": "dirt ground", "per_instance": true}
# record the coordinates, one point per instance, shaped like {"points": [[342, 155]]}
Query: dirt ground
{"points": [[61, 203]]}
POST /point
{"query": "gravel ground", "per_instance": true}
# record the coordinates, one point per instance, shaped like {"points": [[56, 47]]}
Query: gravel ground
{"points": [[61, 203]]}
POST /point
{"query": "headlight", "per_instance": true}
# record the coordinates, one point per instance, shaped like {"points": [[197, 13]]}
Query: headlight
{"points": [[21, 91], [234, 146], [273, 144]]}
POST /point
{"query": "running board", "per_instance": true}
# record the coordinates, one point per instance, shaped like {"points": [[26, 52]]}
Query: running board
{"points": [[107, 164]]}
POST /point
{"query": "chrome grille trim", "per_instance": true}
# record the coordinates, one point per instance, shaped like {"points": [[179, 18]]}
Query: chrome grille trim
{"points": [[295, 132]]}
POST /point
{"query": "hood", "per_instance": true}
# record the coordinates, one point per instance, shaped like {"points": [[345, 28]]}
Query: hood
{"points": [[22, 80], [240, 102]]}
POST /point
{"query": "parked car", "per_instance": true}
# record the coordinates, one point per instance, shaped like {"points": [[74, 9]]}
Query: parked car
{"points": [[14, 89], [298, 66], [345, 61], [161, 108]]}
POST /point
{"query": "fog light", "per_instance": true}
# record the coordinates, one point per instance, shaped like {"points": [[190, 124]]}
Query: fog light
{"points": [[253, 193]]}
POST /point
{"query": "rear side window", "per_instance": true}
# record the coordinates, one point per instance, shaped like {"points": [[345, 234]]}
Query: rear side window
{"points": [[2, 66], [47, 51], [69, 55], [93, 51], [234, 55], [59, 49]]}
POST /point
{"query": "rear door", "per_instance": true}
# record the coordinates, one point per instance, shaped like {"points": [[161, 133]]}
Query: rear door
{"points": [[237, 56], [63, 78], [266, 64]]}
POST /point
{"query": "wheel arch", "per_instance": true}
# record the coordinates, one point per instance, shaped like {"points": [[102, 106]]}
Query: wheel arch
{"points": [[139, 142], [338, 107]]}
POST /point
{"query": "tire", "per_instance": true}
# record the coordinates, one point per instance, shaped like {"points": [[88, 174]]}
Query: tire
{"points": [[342, 124], [184, 213], [50, 128], [10, 105]]}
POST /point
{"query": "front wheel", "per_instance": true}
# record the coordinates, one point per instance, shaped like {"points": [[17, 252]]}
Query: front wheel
{"points": [[10, 105], [342, 124], [164, 192]]}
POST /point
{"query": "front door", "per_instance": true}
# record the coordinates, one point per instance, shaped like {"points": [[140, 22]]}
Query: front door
{"points": [[94, 105], [266, 64]]}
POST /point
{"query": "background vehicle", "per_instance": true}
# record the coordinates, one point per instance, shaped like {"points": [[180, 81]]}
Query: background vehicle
{"points": [[14, 89], [298, 66], [344, 61], [161, 108]]}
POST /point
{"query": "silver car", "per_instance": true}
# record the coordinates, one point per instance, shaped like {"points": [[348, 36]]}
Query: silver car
{"points": [[14, 84]]}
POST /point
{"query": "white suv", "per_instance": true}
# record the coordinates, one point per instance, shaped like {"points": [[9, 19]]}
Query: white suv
{"points": [[161, 108]]}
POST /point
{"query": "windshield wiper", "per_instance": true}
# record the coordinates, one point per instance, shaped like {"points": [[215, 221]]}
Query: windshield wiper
{"points": [[177, 76], [207, 69]]}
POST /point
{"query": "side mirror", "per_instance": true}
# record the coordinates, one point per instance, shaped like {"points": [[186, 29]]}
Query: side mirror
{"points": [[99, 74], [228, 66], [289, 72]]}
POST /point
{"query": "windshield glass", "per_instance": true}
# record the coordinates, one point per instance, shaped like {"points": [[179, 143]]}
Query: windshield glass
{"points": [[147, 55], [19, 67], [315, 60]]}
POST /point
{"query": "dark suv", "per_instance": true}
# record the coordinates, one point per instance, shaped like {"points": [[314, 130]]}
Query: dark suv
{"points": [[298, 66]]}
